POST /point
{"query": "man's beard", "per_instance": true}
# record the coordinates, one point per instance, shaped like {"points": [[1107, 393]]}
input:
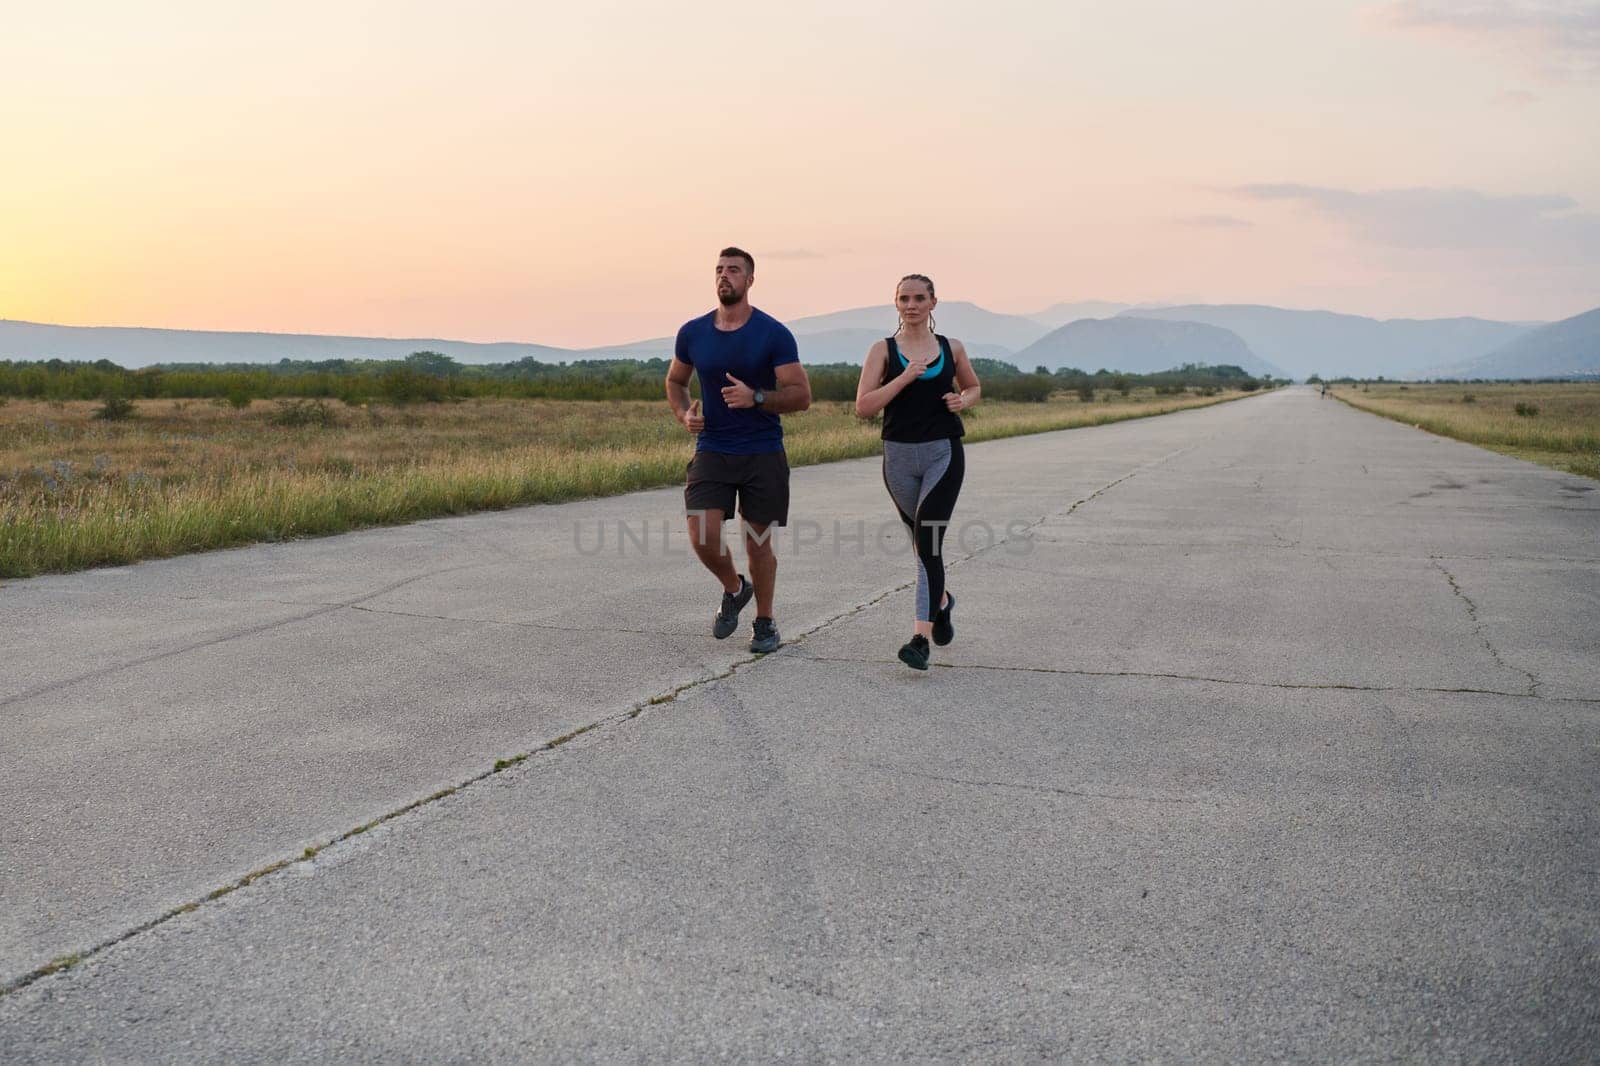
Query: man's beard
{"points": [[728, 297]]}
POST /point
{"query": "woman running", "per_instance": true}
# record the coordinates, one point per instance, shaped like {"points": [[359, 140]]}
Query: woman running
{"points": [[919, 381]]}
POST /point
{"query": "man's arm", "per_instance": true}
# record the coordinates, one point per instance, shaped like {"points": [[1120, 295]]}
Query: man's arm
{"points": [[793, 389], [791, 393], [679, 375]]}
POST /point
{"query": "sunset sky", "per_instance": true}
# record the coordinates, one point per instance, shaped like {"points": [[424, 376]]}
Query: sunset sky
{"points": [[564, 173]]}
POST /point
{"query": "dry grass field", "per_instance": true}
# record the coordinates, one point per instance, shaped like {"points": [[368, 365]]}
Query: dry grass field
{"points": [[187, 475], [1554, 424]]}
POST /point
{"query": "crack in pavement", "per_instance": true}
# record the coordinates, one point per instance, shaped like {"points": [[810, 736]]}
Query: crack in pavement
{"points": [[618, 718], [210, 642], [1482, 635], [498, 621], [1331, 686], [1311, 550], [1048, 789]]}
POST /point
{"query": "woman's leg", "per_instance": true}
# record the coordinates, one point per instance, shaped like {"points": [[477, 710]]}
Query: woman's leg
{"points": [[902, 476], [941, 484]]}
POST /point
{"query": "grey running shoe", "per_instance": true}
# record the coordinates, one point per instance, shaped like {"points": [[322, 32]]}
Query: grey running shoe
{"points": [[766, 636], [915, 653], [944, 631], [727, 619]]}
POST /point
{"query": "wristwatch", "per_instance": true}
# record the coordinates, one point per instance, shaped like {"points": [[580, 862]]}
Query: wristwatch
{"points": [[760, 397]]}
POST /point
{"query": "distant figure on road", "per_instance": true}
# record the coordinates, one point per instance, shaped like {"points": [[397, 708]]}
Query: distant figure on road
{"points": [[750, 373], [920, 380], [1324, 388]]}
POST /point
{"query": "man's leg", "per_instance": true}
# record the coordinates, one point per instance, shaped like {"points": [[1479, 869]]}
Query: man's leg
{"points": [[764, 505], [763, 565], [705, 534]]}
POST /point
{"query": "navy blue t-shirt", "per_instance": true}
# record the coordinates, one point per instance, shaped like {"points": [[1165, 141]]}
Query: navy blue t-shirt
{"points": [[752, 353]]}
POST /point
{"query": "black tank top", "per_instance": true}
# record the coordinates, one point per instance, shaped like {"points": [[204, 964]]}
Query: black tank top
{"points": [[918, 413]]}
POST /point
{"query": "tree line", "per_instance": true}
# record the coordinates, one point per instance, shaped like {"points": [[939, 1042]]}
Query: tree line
{"points": [[430, 377]]}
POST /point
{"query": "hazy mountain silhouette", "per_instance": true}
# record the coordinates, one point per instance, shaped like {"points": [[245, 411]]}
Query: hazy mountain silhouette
{"points": [[1140, 346], [1059, 314], [1298, 342], [821, 346], [997, 335], [1336, 345], [954, 318], [134, 347], [850, 346], [1568, 348]]}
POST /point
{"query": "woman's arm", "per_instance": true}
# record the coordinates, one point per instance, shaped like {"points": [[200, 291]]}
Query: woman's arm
{"points": [[971, 390], [870, 400]]}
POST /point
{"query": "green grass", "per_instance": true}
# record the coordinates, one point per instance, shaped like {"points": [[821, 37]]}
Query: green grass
{"points": [[1555, 424], [184, 476]]}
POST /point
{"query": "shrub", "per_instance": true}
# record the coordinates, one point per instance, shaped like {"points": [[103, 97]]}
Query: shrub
{"points": [[1527, 410], [296, 413], [115, 409], [404, 385], [1028, 388], [1467, 397], [1086, 392]]}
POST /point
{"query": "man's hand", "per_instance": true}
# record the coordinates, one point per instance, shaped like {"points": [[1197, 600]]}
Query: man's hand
{"points": [[738, 394], [693, 420]]}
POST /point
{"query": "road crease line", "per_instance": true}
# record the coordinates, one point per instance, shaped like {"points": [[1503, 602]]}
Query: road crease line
{"points": [[1334, 686], [66, 962]]}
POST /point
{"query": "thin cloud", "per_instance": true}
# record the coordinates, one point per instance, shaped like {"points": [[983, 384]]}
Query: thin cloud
{"points": [[1213, 221], [794, 253], [1549, 226], [1556, 39], [1516, 99]]}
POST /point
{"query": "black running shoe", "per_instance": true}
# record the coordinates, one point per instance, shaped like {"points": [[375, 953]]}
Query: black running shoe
{"points": [[727, 619], [915, 653], [766, 636], [944, 631]]}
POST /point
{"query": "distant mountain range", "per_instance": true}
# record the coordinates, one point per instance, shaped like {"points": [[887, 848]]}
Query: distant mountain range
{"points": [[1089, 335], [1141, 346], [134, 347], [845, 336], [1335, 345], [1569, 348]]}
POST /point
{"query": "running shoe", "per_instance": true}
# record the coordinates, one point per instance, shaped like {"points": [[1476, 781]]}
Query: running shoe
{"points": [[915, 653], [766, 636], [944, 631], [727, 619]]}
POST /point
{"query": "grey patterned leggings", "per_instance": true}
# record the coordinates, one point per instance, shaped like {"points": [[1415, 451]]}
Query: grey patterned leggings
{"points": [[924, 480]]}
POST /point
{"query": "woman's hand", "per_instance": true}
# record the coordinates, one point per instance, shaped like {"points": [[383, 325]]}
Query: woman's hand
{"points": [[954, 401], [916, 366]]}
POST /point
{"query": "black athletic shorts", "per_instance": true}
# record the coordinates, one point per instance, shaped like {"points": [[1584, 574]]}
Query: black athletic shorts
{"points": [[760, 482]]}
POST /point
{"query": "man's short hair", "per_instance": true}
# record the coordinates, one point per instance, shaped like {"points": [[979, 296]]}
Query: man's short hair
{"points": [[749, 260]]}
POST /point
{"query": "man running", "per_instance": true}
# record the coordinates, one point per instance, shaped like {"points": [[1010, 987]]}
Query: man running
{"points": [[750, 373]]}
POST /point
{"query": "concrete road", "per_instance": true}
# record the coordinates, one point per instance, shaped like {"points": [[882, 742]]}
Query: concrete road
{"points": [[1270, 730]]}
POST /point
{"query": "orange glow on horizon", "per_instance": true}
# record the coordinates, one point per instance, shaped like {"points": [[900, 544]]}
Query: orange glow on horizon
{"points": [[565, 177]]}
